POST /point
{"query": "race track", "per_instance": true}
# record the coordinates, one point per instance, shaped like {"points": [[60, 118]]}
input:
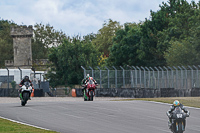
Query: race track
{"points": [[99, 116]]}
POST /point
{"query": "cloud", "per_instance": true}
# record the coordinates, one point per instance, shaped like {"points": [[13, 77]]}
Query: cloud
{"points": [[77, 17]]}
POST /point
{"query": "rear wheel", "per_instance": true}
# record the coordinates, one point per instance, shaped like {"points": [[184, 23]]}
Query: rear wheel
{"points": [[91, 95]]}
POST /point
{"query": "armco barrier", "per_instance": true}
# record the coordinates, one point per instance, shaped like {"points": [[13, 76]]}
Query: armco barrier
{"points": [[119, 92], [143, 92], [195, 92], [123, 92], [127, 92], [8, 92], [38, 93]]}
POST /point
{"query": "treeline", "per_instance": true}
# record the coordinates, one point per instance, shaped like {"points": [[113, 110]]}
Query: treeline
{"points": [[171, 36]]}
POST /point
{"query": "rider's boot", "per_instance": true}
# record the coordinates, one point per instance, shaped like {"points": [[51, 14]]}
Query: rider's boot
{"points": [[169, 124], [20, 96]]}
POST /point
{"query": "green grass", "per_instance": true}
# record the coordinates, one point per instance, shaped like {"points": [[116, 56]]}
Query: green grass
{"points": [[186, 101], [7, 126]]}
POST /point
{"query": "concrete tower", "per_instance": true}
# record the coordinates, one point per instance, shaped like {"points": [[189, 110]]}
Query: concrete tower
{"points": [[22, 46]]}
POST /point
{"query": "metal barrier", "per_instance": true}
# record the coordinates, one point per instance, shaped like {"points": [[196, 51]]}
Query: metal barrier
{"points": [[178, 77]]}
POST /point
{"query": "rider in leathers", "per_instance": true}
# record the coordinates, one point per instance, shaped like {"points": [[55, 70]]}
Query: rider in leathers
{"points": [[84, 82], [26, 79], [176, 103]]}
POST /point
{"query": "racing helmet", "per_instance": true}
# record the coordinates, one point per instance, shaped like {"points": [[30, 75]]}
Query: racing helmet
{"points": [[26, 78], [87, 77], [176, 103]]}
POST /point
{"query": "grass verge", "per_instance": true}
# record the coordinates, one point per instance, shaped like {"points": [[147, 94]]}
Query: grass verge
{"points": [[186, 101], [7, 126]]}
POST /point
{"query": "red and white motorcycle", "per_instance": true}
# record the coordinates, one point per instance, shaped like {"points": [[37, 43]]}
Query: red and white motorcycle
{"points": [[89, 92]]}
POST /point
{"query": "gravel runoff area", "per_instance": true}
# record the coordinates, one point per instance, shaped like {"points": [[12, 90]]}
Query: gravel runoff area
{"points": [[56, 99]]}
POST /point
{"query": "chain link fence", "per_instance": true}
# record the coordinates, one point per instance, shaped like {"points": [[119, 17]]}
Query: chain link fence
{"points": [[178, 77]]}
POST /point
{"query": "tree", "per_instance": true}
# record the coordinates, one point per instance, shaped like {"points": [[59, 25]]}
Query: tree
{"points": [[105, 35], [149, 52], [180, 41], [6, 42], [45, 37], [181, 53], [125, 46], [68, 58]]}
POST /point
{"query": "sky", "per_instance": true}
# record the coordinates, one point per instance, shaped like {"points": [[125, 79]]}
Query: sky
{"points": [[77, 17]]}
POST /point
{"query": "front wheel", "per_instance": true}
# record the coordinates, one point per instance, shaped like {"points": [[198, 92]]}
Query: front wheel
{"points": [[179, 127], [25, 98], [23, 103]]}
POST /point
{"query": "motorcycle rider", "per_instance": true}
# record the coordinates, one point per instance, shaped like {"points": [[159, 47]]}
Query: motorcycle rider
{"points": [[91, 78], [84, 82], [176, 103], [26, 79]]}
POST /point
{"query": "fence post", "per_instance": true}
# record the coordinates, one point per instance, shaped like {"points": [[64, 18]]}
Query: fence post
{"points": [[181, 76], [185, 76], [140, 76], [84, 73], [198, 73], [123, 76], [92, 71], [132, 84], [162, 79], [100, 75], [108, 76], [149, 77], [153, 78], [167, 76], [158, 77], [172, 73], [144, 77], [20, 73], [8, 77], [197, 83], [192, 76], [33, 69], [115, 76], [135, 75], [176, 77]]}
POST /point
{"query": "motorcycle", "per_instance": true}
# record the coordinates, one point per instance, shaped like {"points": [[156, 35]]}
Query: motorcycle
{"points": [[89, 92], [178, 120], [25, 94]]}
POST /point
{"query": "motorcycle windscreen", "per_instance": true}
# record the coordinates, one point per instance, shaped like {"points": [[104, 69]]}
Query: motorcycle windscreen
{"points": [[91, 84], [178, 110], [27, 84], [178, 113]]}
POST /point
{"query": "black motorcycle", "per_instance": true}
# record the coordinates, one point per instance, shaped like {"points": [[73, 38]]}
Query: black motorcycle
{"points": [[178, 120]]}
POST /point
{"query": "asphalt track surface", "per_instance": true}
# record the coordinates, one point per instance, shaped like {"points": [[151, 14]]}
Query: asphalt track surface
{"points": [[99, 116]]}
